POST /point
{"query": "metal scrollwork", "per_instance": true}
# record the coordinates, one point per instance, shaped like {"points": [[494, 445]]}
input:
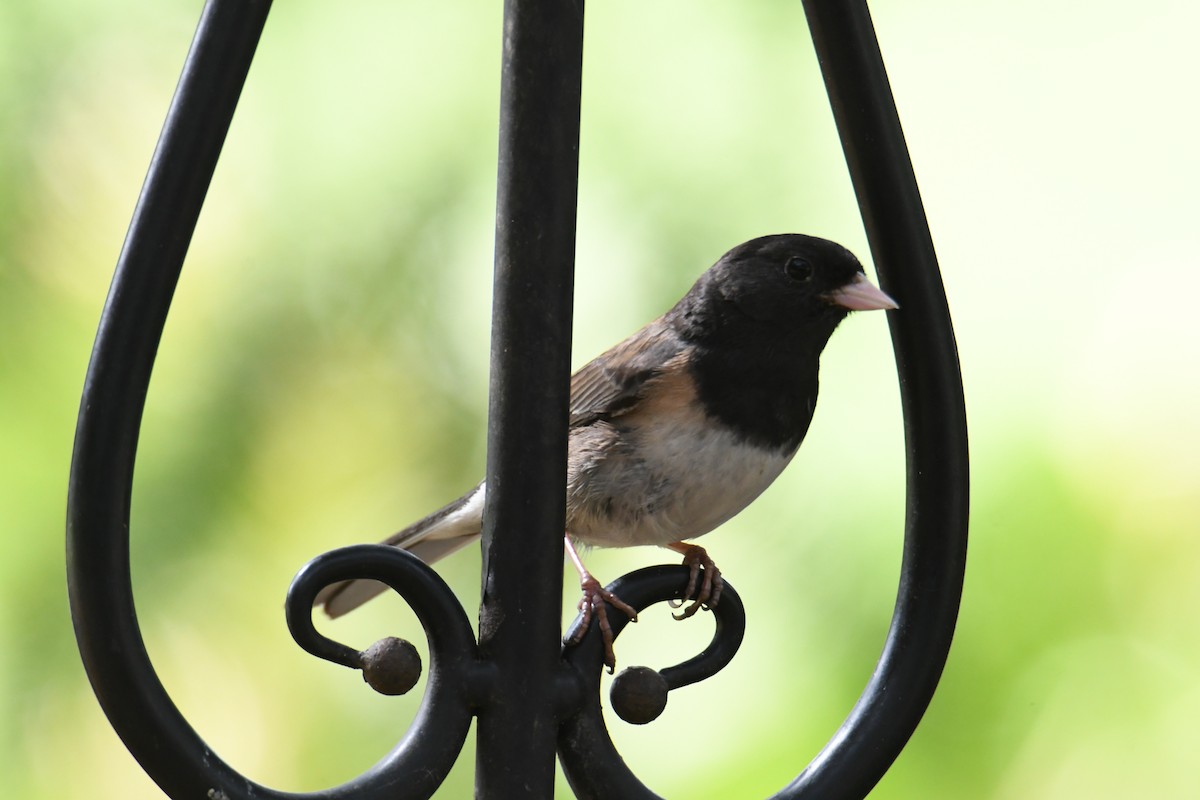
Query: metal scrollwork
{"points": [[457, 679], [529, 698], [589, 758]]}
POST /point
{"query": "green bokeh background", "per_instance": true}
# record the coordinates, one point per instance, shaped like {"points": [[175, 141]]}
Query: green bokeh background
{"points": [[322, 378]]}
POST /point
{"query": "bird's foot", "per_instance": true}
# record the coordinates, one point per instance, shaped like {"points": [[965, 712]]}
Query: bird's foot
{"points": [[593, 603], [703, 572]]}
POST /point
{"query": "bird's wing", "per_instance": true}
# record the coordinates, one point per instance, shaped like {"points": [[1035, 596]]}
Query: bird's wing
{"points": [[606, 387], [610, 384]]}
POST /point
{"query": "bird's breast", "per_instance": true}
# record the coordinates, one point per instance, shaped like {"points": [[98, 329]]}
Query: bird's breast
{"points": [[663, 473]]}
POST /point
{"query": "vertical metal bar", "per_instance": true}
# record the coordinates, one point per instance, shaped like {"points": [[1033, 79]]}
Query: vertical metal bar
{"points": [[520, 612], [934, 411], [114, 394]]}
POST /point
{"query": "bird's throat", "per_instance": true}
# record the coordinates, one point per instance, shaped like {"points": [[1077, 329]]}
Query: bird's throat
{"points": [[767, 400]]}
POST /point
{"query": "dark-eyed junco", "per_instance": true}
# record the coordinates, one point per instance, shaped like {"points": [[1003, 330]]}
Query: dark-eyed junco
{"points": [[679, 427]]}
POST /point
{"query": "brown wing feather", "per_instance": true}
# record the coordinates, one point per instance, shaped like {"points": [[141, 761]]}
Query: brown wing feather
{"points": [[611, 383]]}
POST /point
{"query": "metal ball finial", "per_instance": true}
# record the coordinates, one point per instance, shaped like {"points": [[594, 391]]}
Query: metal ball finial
{"points": [[639, 695], [391, 666]]}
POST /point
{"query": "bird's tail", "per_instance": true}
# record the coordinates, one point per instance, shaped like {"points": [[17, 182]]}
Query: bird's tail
{"points": [[441, 533]]}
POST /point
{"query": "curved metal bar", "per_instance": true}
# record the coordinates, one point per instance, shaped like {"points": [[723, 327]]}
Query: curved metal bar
{"points": [[421, 761], [131, 325], [588, 756], [445, 623], [935, 544], [934, 560], [101, 596]]}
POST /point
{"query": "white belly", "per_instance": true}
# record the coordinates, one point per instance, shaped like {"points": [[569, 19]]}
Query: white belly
{"points": [[678, 482]]}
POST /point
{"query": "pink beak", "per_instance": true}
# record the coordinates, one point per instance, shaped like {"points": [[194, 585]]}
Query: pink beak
{"points": [[861, 295]]}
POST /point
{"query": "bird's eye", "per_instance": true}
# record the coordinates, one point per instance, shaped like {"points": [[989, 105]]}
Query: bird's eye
{"points": [[798, 269]]}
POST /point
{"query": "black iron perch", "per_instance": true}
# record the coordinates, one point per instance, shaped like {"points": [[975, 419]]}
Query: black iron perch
{"points": [[516, 677]]}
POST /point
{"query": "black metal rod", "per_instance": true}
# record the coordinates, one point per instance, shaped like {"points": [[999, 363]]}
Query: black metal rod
{"points": [[100, 489], [114, 397], [520, 613], [935, 545]]}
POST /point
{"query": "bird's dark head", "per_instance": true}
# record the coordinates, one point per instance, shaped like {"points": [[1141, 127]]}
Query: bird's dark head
{"points": [[786, 287]]}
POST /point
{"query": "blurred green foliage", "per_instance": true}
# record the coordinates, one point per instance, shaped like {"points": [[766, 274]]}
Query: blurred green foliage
{"points": [[322, 378]]}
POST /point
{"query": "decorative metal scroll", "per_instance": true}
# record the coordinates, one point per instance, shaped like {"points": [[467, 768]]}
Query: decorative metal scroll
{"points": [[515, 678]]}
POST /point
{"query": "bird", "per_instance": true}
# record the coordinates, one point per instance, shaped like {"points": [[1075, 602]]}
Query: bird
{"points": [[679, 427]]}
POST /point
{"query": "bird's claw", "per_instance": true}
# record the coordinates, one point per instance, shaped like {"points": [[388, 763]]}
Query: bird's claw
{"points": [[710, 585], [594, 600]]}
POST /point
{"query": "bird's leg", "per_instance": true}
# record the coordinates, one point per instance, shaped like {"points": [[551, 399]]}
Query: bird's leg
{"points": [[592, 602], [696, 557]]}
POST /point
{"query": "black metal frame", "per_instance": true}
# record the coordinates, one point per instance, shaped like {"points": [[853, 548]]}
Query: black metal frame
{"points": [[516, 678]]}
